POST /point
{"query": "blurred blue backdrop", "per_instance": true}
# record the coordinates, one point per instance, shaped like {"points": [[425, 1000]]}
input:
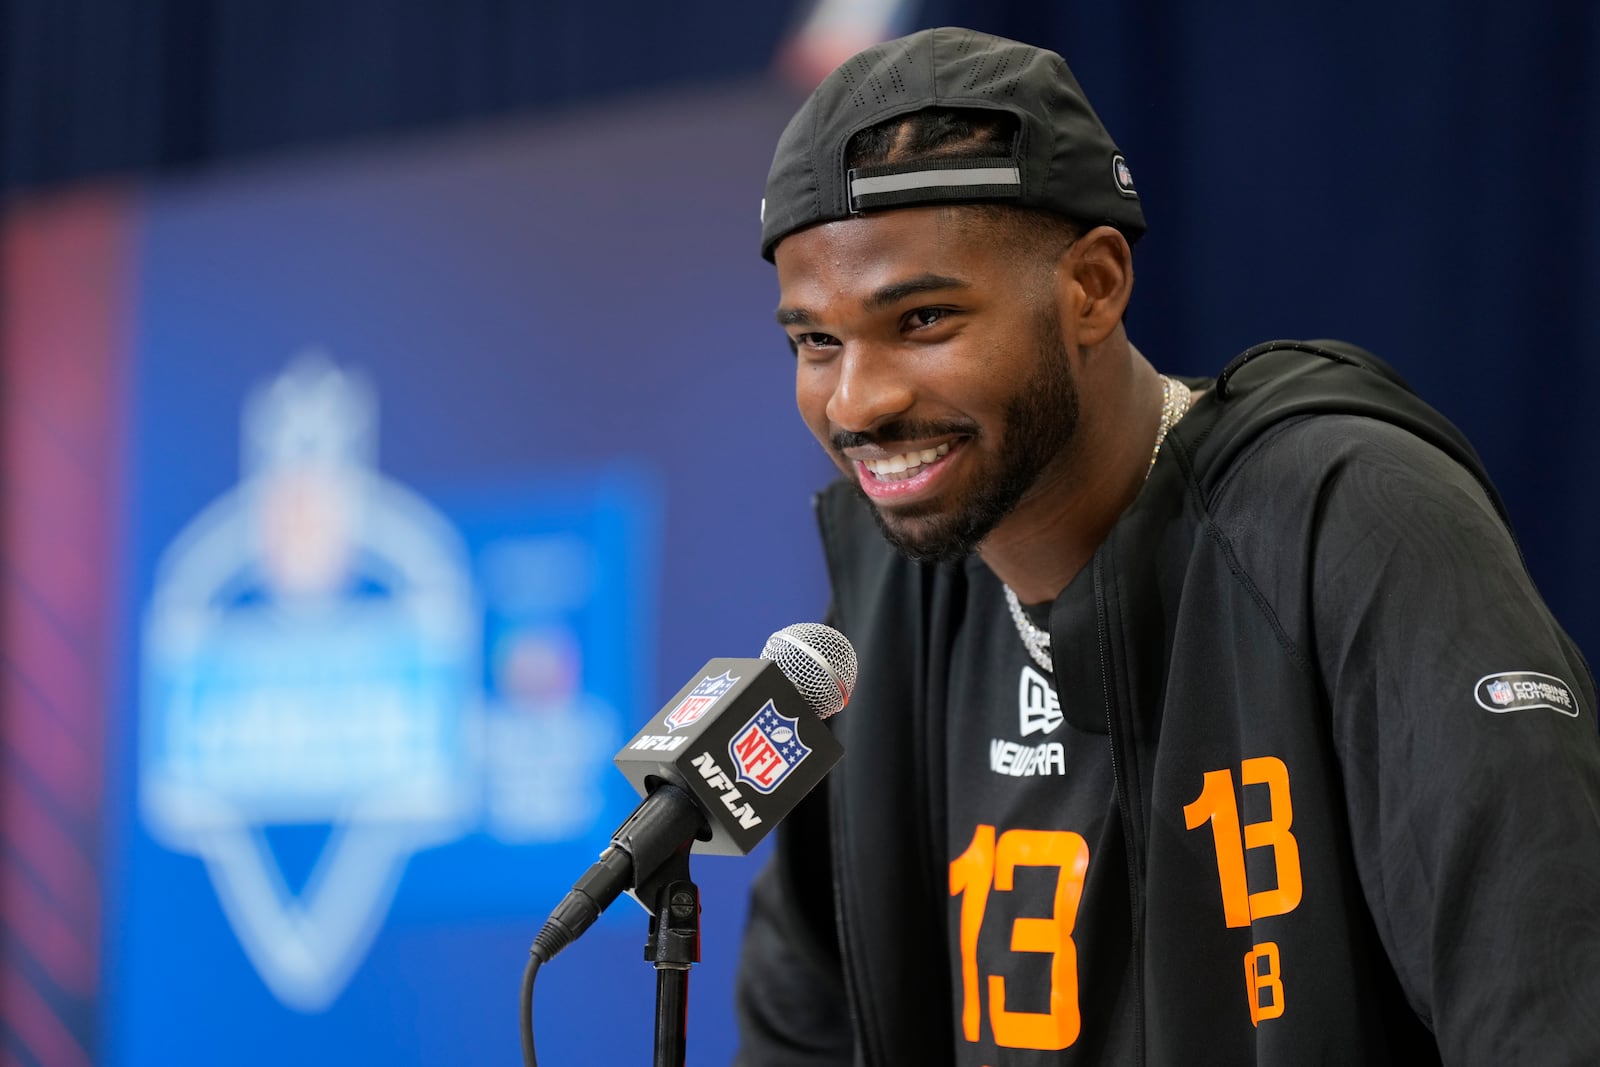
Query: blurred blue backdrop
{"points": [[410, 369], [509, 332]]}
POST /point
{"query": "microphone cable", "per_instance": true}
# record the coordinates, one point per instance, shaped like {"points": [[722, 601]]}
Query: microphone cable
{"points": [[529, 1059], [600, 885]]}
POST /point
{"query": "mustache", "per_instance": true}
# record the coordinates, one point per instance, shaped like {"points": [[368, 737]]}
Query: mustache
{"points": [[905, 430]]}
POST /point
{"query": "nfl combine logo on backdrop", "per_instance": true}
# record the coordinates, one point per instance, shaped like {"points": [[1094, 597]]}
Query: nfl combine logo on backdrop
{"points": [[309, 654], [767, 749], [699, 700]]}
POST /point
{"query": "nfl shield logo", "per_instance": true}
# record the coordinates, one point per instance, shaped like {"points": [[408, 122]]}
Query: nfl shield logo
{"points": [[699, 700], [767, 749], [1123, 176], [1500, 693]]}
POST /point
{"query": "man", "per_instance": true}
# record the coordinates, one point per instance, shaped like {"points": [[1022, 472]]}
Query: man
{"points": [[1322, 781]]}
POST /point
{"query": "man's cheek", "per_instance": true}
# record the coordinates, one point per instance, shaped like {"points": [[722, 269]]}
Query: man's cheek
{"points": [[813, 414]]}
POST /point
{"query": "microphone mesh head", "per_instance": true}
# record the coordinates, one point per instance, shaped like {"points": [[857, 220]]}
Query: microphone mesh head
{"points": [[818, 661]]}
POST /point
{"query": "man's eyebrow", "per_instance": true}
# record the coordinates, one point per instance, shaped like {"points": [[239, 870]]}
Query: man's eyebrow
{"points": [[888, 296]]}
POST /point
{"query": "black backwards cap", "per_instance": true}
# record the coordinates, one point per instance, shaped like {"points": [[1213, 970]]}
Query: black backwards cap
{"points": [[1061, 161]]}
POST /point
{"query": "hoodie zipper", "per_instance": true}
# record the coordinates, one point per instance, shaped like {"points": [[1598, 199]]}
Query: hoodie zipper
{"points": [[1121, 786], [846, 948]]}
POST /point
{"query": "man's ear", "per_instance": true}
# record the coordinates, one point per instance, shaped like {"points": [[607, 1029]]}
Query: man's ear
{"points": [[1097, 271]]}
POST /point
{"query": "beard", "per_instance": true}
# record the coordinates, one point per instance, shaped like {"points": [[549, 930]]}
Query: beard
{"points": [[1038, 425]]}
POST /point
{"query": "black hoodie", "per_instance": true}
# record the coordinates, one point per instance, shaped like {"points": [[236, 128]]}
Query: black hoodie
{"points": [[1314, 605]]}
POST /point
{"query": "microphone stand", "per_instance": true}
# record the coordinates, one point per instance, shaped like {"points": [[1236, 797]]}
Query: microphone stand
{"points": [[673, 945]]}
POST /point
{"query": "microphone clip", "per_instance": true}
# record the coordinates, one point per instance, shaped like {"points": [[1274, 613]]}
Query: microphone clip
{"points": [[674, 941]]}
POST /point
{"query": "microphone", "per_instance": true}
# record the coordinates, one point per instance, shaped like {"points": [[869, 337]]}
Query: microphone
{"points": [[721, 764]]}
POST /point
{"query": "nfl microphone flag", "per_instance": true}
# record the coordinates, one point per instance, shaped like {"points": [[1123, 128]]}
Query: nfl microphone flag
{"points": [[727, 758], [740, 739]]}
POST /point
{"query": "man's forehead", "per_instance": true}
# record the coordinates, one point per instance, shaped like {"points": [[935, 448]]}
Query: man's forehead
{"points": [[930, 238], [861, 264]]}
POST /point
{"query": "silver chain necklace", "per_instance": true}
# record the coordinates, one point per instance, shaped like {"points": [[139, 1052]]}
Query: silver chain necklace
{"points": [[1174, 404]]}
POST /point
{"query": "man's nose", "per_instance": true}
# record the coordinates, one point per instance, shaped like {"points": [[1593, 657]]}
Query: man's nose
{"points": [[871, 390]]}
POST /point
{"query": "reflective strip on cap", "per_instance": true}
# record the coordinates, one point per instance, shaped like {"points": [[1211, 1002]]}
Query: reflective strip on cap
{"points": [[934, 179]]}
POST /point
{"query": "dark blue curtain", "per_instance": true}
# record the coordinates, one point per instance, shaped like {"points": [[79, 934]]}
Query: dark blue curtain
{"points": [[1421, 177], [90, 87]]}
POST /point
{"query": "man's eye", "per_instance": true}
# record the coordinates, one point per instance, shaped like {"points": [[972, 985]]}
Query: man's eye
{"points": [[927, 316], [814, 340]]}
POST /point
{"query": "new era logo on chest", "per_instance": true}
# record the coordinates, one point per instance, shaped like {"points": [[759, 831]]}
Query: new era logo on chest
{"points": [[1037, 704]]}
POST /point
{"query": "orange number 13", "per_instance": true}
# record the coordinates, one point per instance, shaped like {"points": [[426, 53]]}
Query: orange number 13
{"points": [[989, 863], [1217, 805]]}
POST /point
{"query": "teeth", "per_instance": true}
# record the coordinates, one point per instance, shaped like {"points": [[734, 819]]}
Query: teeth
{"points": [[905, 461]]}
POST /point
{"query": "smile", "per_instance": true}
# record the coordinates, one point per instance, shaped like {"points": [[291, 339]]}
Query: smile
{"points": [[902, 475], [897, 468]]}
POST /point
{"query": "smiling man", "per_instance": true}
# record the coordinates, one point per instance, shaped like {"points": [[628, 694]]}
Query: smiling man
{"points": [[1200, 721]]}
